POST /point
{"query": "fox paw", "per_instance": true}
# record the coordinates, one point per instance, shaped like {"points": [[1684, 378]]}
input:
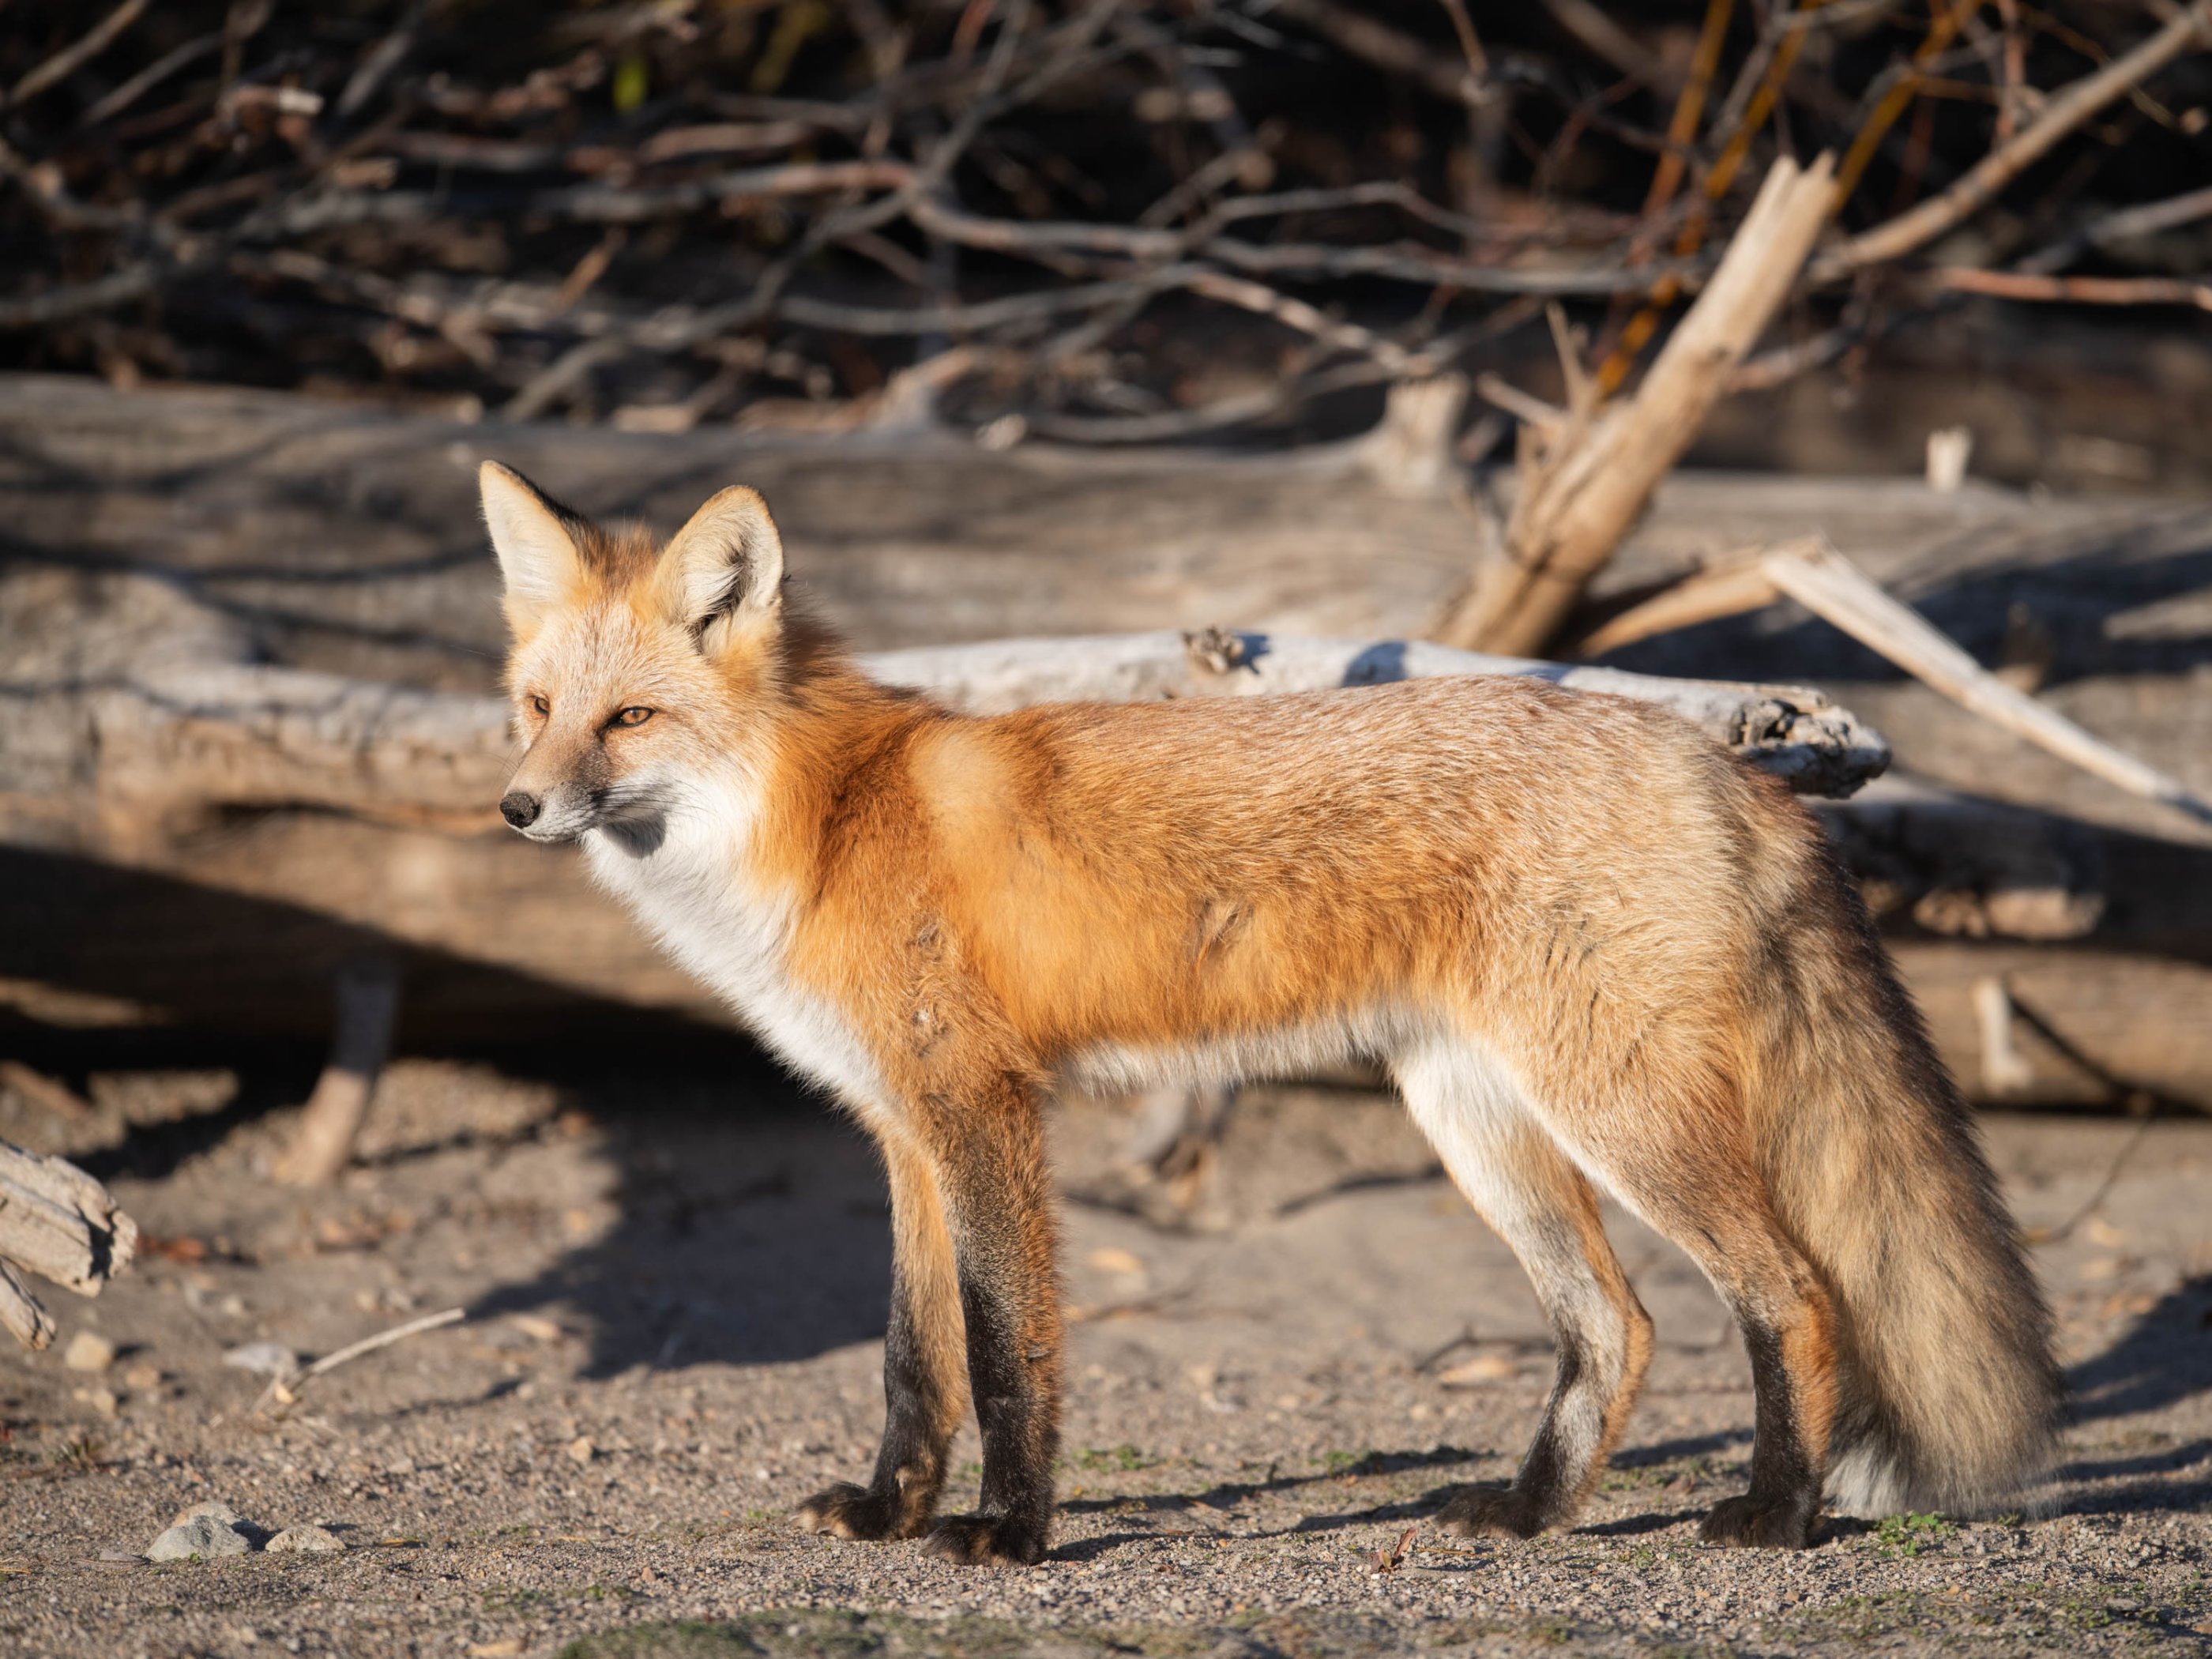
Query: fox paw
{"points": [[972, 1540], [846, 1510], [1758, 1524], [1501, 1512]]}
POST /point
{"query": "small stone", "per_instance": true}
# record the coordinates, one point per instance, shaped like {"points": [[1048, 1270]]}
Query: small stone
{"points": [[305, 1540], [88, 1351], [102, 1400], [536, 1326], [121, 1555], [263, 1358], [211, 1509], [202, 1538], [143, 1379], [580, 1448]]}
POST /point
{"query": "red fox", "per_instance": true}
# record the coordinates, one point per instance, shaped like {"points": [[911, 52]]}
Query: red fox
{"points": [[1593, 950]]}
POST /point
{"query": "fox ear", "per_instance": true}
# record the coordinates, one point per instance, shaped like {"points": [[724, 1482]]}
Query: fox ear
{"points": [[724, 567], [537, 556]]}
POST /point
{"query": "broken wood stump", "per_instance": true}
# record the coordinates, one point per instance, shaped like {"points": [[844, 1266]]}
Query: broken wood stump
{"points": [[58, 1222]]}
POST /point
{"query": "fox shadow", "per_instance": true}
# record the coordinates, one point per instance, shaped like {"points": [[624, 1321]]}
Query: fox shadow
{"points": [[752, 1224], [2163, 1358]]}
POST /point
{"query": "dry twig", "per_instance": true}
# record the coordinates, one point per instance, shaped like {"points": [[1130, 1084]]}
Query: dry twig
{"points": [[284, 1391]]}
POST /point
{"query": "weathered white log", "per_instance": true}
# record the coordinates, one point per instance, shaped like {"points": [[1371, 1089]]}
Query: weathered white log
{"points": [[195, 735], [1793, 731], [60, 1224]]}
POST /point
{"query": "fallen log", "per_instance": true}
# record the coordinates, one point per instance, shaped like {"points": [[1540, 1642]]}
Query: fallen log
{"points": [[270, 532], [58, 1222], [112, 755]]}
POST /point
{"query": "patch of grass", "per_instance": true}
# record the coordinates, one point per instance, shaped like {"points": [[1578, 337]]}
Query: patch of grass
{"points": [[817, 1633], [1907, 1536], [78, 1456], [1127, 1459]]}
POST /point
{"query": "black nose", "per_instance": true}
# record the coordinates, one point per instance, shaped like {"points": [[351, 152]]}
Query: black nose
{"points": [[519, 810]]}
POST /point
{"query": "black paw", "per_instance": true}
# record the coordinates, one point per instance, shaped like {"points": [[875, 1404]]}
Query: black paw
{"points": [[1758, 1524], [974, 1539], [846, 1510], [1499, 1511]]}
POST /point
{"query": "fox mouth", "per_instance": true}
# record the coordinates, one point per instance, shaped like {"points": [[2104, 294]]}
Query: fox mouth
{"points": [[634, 820]]}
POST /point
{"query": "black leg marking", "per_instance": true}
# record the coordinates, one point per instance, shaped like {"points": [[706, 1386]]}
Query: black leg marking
{"points": [[1004, 1242], [1782, 1507], [922, 1381], [1548, 1483]]}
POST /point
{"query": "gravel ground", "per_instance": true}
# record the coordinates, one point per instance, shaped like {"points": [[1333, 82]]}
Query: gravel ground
{"points": [[676, 1287]]}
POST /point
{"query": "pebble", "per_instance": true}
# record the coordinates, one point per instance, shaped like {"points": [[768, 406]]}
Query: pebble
{"points": [[142, 1378], [211, 1509], [203, 1537], [102, 1400], [580, 1448], [309, 1540], [88, 1351]]}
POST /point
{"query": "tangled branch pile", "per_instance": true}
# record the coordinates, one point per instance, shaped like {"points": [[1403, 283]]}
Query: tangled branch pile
{"points": [[1105, 219]]}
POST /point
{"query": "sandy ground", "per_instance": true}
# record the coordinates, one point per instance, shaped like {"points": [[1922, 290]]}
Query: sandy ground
{"points": [[676, 1286]]}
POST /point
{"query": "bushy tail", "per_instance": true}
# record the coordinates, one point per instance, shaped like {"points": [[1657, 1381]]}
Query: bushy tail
{"points": [[1950, 1394]]}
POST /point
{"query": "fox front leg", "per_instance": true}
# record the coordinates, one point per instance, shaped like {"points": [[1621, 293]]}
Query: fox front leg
{"points": [[998, 1198], [925, 1370]]}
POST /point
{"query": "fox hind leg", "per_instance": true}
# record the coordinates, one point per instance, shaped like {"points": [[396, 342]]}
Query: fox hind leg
{"points": [[1691, 1181], [1534, 1199]]}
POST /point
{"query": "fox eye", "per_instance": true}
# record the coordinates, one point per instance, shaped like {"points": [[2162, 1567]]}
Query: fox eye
{"points": [[540, 707], [633, 716]]}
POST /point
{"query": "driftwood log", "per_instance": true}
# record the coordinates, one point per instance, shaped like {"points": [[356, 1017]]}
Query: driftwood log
{"points": [[58, 1222], [147, 539], [1586, 472]]}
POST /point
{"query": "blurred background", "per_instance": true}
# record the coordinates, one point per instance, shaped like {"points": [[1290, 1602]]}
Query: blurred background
{"points": [[663, 216]]}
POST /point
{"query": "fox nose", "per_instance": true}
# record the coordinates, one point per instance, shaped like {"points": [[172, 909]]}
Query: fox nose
{"points": [[519, 810]]}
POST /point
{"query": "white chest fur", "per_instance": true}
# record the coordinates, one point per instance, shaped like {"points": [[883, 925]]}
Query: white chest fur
{"points": [[693, 894]]}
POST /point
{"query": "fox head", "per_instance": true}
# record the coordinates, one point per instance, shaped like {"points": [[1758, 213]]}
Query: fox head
{"points": [[636, 670]]}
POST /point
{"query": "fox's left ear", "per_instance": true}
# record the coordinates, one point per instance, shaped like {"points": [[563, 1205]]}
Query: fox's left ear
{"points": [[723, 568]]}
